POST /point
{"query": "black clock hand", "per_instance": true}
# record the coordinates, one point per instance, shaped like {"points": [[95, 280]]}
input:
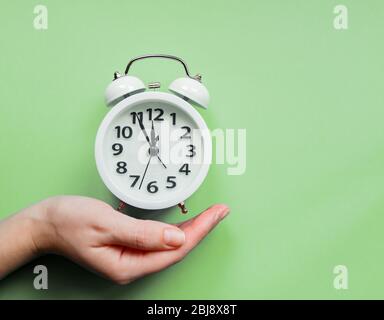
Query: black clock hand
{"points": [[154, 140], [161, 162], [143, 129], [145, 171]]}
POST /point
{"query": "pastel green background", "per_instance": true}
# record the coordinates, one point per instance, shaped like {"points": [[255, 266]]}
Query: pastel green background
{"points": [[310, 97]]}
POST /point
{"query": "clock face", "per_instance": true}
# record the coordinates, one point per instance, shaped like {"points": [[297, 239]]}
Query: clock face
{"points": [[153, 150]]}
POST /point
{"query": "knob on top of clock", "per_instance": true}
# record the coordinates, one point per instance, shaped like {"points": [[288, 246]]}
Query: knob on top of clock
{"points": [[189, 88]]}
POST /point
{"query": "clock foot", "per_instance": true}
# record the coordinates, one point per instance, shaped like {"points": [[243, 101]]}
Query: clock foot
{"points": [[182, 207]]}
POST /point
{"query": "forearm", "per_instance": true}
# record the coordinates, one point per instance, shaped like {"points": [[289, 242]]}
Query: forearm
{"points": [[17, 238]]}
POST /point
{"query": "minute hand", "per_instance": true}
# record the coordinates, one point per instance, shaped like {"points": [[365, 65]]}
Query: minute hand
{"points": [[145, 132]]}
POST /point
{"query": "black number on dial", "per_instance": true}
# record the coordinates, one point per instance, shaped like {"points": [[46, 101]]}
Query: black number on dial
{"points": [[121, 167], [159, 116], [191, 150], [186, 135], [135, 179], [152, 187], [149, 110], [125, 132], [185, 169], [173, 115], [118, 148], [171, 182], [136, 115]]}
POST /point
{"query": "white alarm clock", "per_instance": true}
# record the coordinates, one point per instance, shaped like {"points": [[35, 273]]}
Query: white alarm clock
{"points": [[153, 149]]}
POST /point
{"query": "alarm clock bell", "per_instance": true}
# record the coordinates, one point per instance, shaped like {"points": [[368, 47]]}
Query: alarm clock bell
{"points": [[189, 88], [122, 87]]}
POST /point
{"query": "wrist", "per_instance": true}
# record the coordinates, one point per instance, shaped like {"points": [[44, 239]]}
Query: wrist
{"points": [[41, 229], [23, 236]]}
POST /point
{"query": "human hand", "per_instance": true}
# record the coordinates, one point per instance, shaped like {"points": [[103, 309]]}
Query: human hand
{"points": [[117, 246]]}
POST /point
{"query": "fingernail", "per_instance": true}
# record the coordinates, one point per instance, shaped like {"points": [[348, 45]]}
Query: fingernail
{"points": [[222, 212], [174, 237]]}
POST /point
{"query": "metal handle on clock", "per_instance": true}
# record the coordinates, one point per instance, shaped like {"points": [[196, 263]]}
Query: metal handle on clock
{"points": [[163, 56]]}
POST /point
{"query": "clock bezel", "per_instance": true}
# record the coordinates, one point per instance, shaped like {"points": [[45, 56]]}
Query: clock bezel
{"points": [[125, 105]]}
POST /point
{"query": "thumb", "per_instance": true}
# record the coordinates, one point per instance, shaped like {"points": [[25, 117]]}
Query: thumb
{"points": [[145, 234]]}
